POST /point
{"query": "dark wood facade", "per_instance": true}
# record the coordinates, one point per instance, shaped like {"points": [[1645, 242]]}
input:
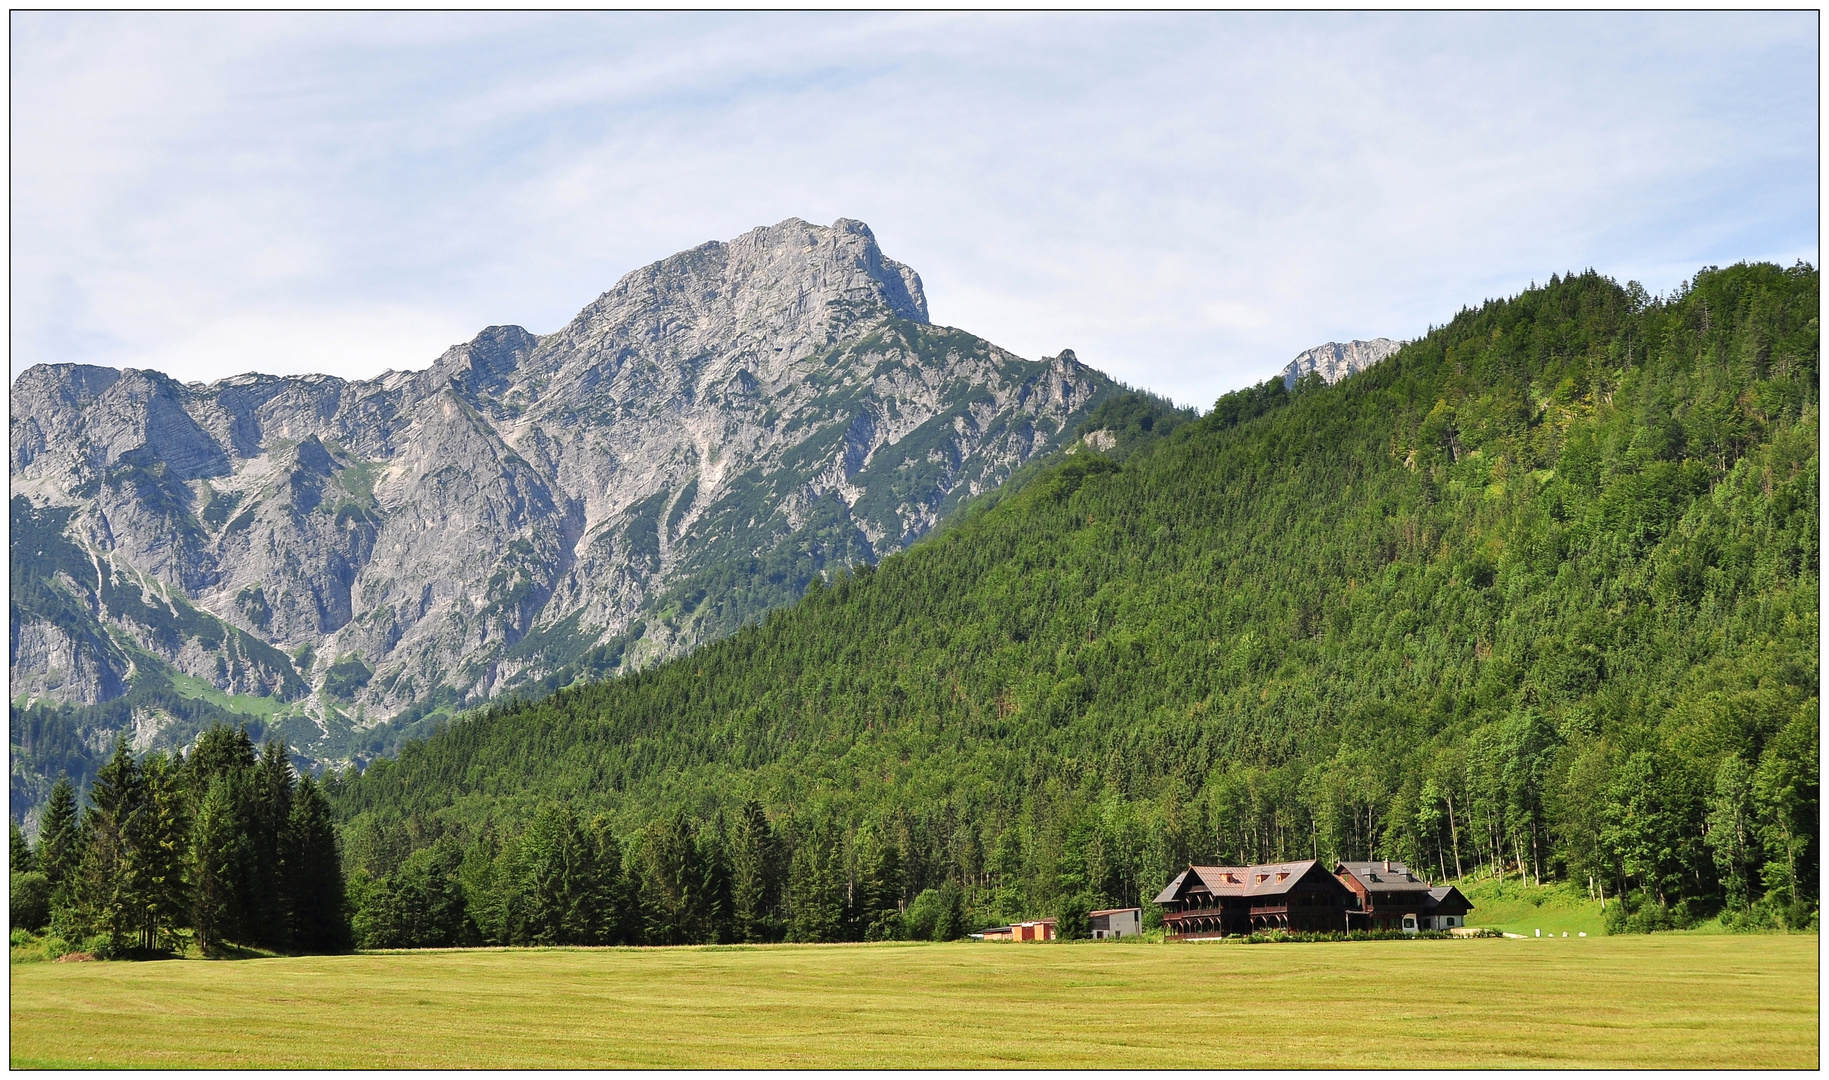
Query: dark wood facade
{"points": [[1219, 901], [1215, 901], [1390, 897]]}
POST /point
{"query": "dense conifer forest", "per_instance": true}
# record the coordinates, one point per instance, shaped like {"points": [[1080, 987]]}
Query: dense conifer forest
{"points": [[170, 854], [1535, 596]]}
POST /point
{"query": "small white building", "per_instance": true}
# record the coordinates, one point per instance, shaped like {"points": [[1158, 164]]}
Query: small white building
{"points": [[1117, 922]]}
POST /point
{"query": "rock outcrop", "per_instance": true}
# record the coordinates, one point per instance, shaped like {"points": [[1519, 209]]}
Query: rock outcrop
{"points": [[1336, 360], [687, 452]]}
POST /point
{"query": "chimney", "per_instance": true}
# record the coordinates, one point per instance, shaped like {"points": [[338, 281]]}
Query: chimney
{"points": [[1387, 866]]}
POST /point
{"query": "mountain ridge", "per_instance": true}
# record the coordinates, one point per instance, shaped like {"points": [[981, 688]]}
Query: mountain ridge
{"points": [[403, 544]]}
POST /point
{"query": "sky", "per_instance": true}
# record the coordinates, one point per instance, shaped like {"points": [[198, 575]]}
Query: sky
{"points": [[1185, 200]]}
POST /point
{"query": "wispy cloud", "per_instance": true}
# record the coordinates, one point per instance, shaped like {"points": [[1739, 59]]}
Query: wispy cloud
{"points": [[1185, 200]]}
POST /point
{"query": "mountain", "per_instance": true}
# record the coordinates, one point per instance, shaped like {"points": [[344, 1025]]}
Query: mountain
{"points": [[1537, 593], [341, 559], [1336, 360]]}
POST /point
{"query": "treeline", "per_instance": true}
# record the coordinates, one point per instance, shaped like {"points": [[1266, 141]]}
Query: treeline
{"points": [[226, 846], [1537, 595], [564, 880]]}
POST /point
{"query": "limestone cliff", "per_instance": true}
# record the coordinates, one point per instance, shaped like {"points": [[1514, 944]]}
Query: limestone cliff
{"points": [[342, 558]]}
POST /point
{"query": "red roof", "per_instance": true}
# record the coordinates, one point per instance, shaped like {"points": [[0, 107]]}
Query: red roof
{"points": [[1266, 879]]}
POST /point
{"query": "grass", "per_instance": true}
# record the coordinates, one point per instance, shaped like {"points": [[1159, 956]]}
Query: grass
{"points": [[246, 704], [1511, 905], [1688, 1001]]}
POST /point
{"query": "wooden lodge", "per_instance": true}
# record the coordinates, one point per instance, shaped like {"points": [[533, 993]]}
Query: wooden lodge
{"points": [[1218, 901], [1392, 898]]}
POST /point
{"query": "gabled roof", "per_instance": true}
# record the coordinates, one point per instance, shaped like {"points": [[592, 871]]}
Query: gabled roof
{"points": [[1383, 876], [1266, 879], [1117, 911], [1173, 888], [1449, 897]]}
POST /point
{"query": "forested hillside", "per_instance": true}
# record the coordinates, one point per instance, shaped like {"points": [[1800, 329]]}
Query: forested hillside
{"points": [[1538, 593]]}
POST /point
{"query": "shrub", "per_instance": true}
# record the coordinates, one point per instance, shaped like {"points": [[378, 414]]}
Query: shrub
{"points": [[30, 900], [923, 916]]}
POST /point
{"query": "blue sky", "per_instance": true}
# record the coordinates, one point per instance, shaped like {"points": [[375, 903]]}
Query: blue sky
{"points": [[1185, 200]]}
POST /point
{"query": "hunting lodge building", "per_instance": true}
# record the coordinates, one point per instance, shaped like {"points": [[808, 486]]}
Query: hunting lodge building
{"points": [[1215, 901]]}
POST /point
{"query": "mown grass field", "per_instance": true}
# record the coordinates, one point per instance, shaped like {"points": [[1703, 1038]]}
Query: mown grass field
{"points": [[1683, 1001]]}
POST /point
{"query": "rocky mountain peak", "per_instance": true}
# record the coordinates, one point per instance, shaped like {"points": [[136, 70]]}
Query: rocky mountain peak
{"points": [[691, 449], [1336, 359]]}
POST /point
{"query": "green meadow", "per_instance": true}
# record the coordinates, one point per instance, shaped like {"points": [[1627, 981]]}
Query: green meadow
{"points": [[1659, 1001]]}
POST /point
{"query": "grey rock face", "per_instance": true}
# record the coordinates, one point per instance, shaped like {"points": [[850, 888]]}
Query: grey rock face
{"points": [[1336, 360], [685, 453]]}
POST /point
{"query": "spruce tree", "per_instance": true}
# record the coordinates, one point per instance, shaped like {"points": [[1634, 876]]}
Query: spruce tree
{"points": [[225, 755], [670, 877], [620, 917], [816, 889], [221, 750], [153, 873], [756, 873], [103, 897], [712, 908], [20, 858], [950, 926], [875, 910], [57, 833], [267, 814], [218, 855], [554, 879], [487, 885], [313, 872]]}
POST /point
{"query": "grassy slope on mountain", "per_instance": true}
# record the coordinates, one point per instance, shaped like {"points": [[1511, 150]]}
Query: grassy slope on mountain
{"points": [[1541, 589]]}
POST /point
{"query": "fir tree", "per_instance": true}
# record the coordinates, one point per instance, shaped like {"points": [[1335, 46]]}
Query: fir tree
{"points": [[153, 876], [876, 913], [621, 915], [20, 859], [58, 833], [816, 890], [219, 852], [103, 897], [670, 880], [756, 876], [313, 872], [565, 895]]}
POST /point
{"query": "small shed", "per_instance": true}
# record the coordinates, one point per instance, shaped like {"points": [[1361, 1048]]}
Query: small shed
{"points": [[1035, 930], [1117, 922], [1039, 930]]}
